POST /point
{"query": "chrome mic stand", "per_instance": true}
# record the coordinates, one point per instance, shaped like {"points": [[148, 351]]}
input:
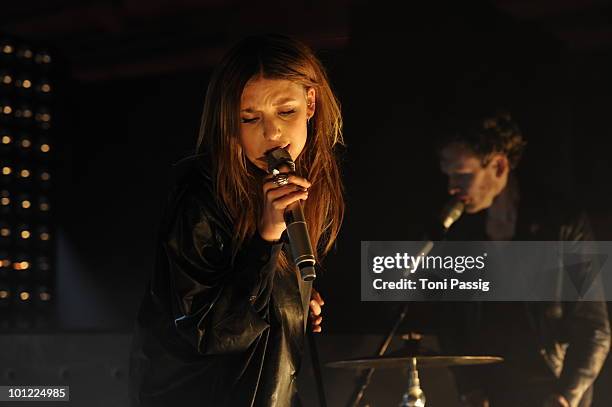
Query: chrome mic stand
{"points": [[451, 212]]}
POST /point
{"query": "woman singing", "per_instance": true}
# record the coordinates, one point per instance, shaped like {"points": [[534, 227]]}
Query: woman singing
{"points": [[223, 320]]}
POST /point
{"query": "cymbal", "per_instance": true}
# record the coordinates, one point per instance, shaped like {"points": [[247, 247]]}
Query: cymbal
{"points": [[383, 362]]}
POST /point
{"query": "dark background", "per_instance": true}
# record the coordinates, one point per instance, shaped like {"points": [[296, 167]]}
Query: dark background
{"points": [[134, 76]]}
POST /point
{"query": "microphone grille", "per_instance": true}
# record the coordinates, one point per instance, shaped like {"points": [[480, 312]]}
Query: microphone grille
{"points": [[452, 212], [277, 157]]}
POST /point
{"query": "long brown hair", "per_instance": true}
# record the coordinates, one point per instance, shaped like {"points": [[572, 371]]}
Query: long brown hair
{"points": [[238, 186]]}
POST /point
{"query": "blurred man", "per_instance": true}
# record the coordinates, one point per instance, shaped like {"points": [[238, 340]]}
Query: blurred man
{"points": [[553, 351]]}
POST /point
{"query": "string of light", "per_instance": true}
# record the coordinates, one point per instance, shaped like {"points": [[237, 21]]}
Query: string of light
{"points": [[27, 249]]}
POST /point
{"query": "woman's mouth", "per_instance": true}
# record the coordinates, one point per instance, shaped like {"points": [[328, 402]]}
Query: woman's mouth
{"points": [[264, 161], [263, 157]]}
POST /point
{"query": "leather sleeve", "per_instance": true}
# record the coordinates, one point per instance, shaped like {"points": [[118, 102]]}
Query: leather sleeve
{"points": [[587, 327], [219, 304]]}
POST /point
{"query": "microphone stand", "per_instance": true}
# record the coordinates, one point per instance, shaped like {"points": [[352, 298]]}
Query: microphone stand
{"points": [[316, 367], [303, 255], [366, 378], [450, 214]]}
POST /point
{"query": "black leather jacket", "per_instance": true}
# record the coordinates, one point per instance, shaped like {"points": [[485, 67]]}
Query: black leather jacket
{"points": [[573, 337], [212, 330]]}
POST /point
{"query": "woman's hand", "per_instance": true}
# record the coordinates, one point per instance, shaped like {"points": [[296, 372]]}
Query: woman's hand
{"points": [[276, 199], [316, 302]]}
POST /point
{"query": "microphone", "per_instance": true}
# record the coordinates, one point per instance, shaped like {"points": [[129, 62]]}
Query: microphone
{"points": [[297, 230], [451, 212]]}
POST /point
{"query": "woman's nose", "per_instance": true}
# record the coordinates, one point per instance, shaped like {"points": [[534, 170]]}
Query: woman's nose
{"points": [[271, 130]]}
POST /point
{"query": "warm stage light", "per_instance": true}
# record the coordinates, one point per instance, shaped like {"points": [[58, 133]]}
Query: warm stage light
{"points": [[42, 117], [27, 229], [43, 264], [42, 58], [26, 53]]}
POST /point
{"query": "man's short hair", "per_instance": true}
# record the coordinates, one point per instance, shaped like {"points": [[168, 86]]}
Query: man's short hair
{"points": [[491, 134]]}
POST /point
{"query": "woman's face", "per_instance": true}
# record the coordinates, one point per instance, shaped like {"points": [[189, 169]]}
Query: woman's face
{"points": [[274, 113]]}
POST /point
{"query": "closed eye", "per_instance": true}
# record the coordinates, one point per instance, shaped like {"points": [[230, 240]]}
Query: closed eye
{"points": [[245, 120], [287, 112]]}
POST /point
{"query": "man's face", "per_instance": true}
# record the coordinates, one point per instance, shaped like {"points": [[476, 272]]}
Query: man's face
{"points": [[476, 185]]}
